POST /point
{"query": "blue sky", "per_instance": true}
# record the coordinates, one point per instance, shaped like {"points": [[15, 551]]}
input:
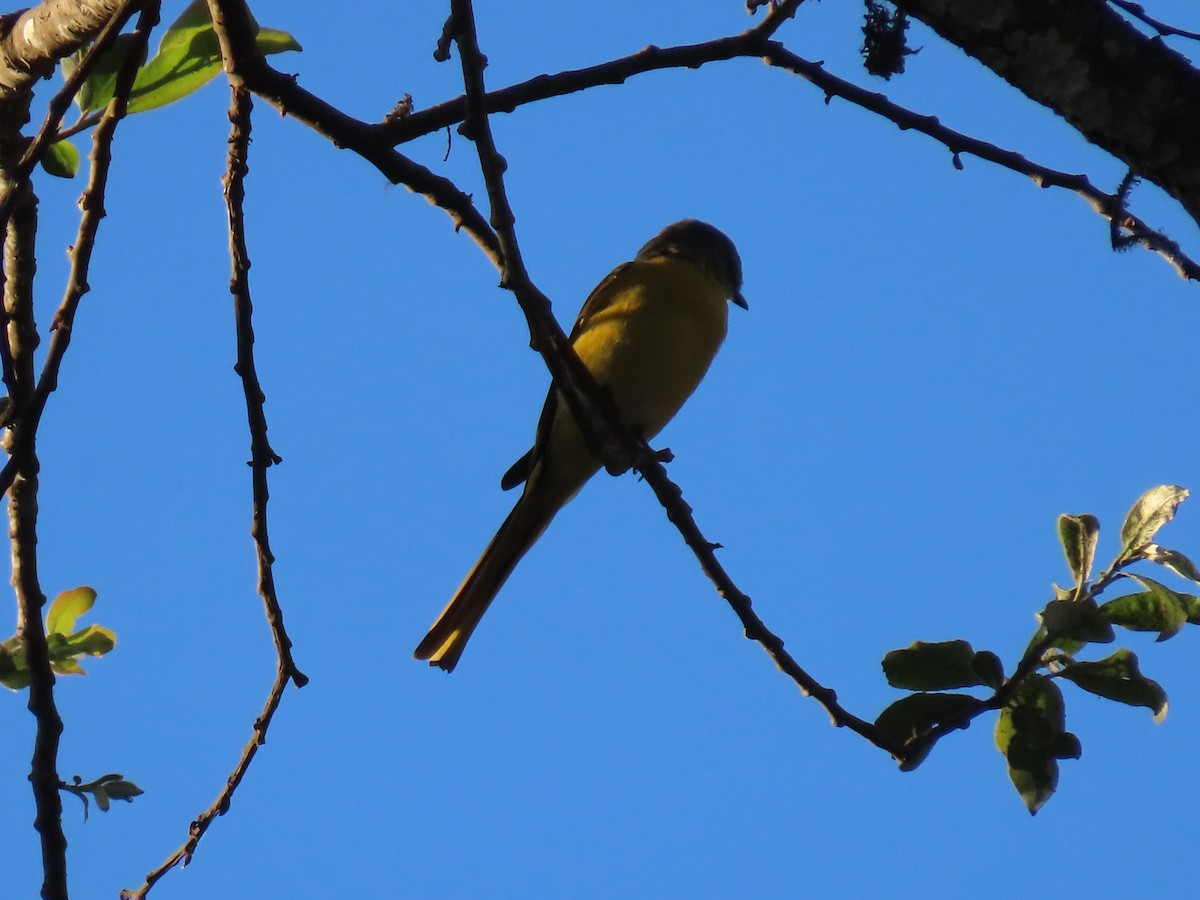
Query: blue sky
{"points": [[934, 366]]}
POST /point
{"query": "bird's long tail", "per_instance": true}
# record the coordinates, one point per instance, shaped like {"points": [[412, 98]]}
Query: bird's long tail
{"points": [[449, 635]]}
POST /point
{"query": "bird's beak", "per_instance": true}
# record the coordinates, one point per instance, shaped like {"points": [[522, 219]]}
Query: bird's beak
{"points": [[740, 300]]}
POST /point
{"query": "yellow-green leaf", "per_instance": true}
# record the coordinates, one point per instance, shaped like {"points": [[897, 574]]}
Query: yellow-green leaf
{"points": [[1078, 535], [1173, 560], [67, 607], [1119, 678], [189, 56], [61, 160], [1152, 511], [1158, 608]]}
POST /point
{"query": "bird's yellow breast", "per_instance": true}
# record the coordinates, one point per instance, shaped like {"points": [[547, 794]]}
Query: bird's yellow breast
{"points": [[653, 342], [650, 338]]}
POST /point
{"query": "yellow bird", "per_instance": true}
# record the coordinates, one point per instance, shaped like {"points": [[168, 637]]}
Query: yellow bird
{"points": [[647, 333]]}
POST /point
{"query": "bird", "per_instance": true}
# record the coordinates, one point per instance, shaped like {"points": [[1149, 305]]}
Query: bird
{"points": [[647, 333]]}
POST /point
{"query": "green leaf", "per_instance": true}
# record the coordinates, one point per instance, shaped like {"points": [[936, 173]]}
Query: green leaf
{"points": [[95, 640], [189, 56], [1191, 606], [1158, 608], [63, 644], [1078, 535], [14, 672], [61, 160], [924, 666], [913, 716], [1077, 621], [1118, 678], [1152, 511], [67, 607], [1173, 560], [1062, 593], [1033, 772], [989, 668], [1030, 733], [1066, 747], [67, 665], [98, 89], [1071, 646], [123, 790]]}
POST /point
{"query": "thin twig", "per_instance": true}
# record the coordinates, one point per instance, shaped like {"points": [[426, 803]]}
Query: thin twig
{"points": [[183, 855], [590, 406], [749, 43], [681, 516], [29, 409], [83, 123], [1138, 12], [1108, 205], [20, 473], [233, 31]]}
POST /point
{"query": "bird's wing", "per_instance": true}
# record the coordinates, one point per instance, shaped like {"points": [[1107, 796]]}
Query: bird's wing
{"points": [[598, 299]]}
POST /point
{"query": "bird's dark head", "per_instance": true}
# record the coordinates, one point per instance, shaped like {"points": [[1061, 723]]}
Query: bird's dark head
{"points": [[706, 246]]}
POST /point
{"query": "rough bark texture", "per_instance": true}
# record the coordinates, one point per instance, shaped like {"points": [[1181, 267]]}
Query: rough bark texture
{"points": [[1127, 93], [33, 41]]}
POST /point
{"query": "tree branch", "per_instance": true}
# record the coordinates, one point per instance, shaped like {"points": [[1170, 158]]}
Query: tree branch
{"points": [[28, 408], [749, 43], [234, 30], [345, 132], [32, 41], [593, 410], [1127, 93], [21, 471], [1137, 11], [598, 418], [21, 337], [1111, 206]]}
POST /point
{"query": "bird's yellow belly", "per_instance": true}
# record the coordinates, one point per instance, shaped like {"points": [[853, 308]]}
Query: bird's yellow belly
{"points": [[650, 348]]}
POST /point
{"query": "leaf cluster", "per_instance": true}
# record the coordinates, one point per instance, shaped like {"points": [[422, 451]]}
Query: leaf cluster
{"points": [[65, 645], [1031, 725], [188, 57], [104, 790]]}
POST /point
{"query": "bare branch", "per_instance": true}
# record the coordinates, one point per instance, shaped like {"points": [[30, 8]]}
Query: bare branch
{"points": [[597, 417], [20, 473], [1111, 206], [680, 514], [29, 407], [344, 131], [183, 855], [1139, 12], [749, 43], [21, 337], [233, 28], [753, 44]]}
